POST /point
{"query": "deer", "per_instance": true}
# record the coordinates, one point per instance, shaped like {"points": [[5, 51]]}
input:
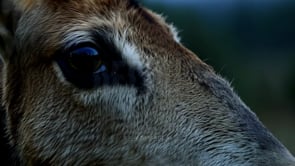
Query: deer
{"points": [[108, 82]]}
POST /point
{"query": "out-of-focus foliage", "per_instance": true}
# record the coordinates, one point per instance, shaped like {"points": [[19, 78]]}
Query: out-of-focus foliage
{"points": [[250, 43]]}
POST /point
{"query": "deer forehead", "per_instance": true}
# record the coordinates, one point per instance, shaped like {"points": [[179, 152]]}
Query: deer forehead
{"points": [[29, 4], [56, 24]]}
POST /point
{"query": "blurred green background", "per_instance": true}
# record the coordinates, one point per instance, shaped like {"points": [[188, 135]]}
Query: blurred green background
{"points": [[252, 44]]}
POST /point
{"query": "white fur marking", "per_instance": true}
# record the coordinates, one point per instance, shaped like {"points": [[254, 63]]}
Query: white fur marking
{"points": [[75, 37], [128, 51], [59, 74]]}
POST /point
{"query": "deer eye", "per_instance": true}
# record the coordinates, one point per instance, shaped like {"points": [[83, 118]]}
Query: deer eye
{"points": [[86, 60]]}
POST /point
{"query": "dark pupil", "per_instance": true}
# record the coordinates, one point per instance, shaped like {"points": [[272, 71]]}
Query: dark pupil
{"points": [[85, 59]]}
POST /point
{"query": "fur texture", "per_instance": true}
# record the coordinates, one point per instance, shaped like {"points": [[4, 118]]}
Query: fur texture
{"points": [[181, 113]]}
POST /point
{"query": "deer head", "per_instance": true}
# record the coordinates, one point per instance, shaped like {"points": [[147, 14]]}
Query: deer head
{"points": [[94, 82]]}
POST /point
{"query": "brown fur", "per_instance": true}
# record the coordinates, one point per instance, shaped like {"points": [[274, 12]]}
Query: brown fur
{"points": [[183, 113]]}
